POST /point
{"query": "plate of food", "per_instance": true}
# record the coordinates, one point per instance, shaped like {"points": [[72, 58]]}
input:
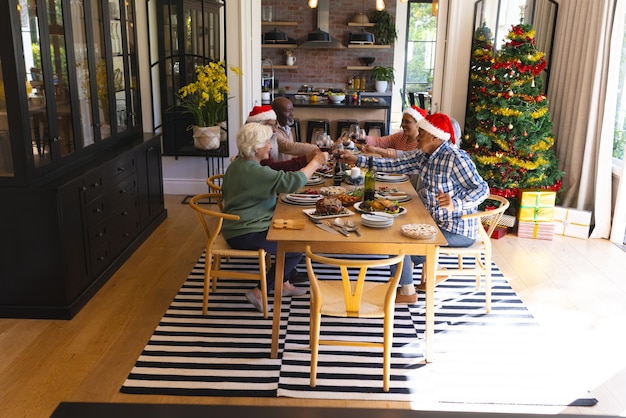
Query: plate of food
{"points": [[385, 206], [418, 231], [392, 193], [328, 207], [351, 197], [332, 190]]}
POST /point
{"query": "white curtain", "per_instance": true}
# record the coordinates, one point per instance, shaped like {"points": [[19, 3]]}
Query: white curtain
{"points": [[618, 226], [578, 81]]}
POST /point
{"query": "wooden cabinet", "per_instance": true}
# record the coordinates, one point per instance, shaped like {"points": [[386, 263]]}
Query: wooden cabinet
{"points": [[69, 235], [80, 184]]}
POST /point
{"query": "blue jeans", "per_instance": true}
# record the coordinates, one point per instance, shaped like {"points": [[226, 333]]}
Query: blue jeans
{"points": [[454, 240], [256, 240]]}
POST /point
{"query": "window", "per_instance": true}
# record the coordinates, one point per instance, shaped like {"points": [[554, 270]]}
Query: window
{"points": [[420, 47], [619, 133]]}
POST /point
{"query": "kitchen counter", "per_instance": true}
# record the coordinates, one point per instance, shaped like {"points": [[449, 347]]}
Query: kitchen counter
{"points": [[323, 109]]}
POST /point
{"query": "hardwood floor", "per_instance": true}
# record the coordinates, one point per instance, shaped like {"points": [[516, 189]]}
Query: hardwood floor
{"points": [[575, 288]]}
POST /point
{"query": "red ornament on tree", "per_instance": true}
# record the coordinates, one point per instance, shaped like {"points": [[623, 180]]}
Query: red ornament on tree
{"points": [[539, 99], [494, 129]]}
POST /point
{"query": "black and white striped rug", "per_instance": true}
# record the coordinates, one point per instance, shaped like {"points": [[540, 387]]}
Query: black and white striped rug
{"points": [[499, 358]]}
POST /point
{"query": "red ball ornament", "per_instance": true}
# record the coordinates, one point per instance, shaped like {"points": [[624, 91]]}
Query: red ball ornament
{"points": [[539, 99], [525, 133], [494, 129]]}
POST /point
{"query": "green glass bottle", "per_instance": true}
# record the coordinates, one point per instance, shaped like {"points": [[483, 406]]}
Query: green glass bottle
{"points": [[369, 189]]}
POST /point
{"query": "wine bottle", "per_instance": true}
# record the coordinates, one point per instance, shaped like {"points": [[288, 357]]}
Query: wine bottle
{"points": [[337, 174], [369, 188]]}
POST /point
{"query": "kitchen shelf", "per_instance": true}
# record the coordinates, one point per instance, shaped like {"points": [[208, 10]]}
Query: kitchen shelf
{"points": [[368, 46], [371, 25], [279, 23], [279, 45], [359, 67], [282, 67]]}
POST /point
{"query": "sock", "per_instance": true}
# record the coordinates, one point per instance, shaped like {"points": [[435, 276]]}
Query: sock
{"points": [[407, 289]]}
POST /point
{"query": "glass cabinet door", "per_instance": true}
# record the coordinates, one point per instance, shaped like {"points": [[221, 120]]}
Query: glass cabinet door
{"points": [[6, 160]]}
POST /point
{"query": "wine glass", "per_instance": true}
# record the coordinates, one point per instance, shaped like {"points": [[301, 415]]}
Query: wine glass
{"points": [[323, 141], [354, 131], [362, 136]]}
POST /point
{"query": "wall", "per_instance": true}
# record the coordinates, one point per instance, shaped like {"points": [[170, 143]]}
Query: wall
{"points": [[187, 175], [323, 67]]}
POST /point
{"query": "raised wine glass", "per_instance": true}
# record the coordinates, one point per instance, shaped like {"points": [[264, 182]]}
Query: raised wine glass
{"points": [[354, 132]]}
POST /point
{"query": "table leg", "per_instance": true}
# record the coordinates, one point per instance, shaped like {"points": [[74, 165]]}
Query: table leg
{"points": [[430, 265], [278, 295]]}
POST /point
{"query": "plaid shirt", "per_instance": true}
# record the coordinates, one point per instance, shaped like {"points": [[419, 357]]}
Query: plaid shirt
{"points": [[449, 169]]}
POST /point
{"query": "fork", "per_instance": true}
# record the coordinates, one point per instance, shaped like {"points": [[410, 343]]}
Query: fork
{"points": [[338, 229], [353, 228]]}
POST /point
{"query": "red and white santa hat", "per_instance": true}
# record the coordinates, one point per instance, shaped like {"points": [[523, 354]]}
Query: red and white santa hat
{"points": [[416, 112], [439, 125], [261, 113]]}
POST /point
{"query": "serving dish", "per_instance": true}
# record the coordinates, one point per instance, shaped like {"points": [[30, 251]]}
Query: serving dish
{"points": [[311, 214], [358, 205]]}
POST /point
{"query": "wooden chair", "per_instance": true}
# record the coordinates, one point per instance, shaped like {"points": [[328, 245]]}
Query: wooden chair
{"points": [[217, 248], [352, 297], [480, 250], [215, 185]]}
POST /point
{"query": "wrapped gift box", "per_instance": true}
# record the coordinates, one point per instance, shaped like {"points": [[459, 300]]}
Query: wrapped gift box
{"points": [[536, 230], [572, 222], [536, 206], [499, 232]]}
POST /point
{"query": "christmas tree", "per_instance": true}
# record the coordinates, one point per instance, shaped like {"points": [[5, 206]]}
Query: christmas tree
{"points": [[480, 75], [509, 132]]}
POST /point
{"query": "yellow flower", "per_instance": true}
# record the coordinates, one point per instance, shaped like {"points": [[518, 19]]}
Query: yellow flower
{"points": [[206, 98]]}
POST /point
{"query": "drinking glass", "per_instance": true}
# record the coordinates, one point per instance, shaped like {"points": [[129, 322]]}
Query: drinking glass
{"points": [[354, 132], [323, 141], [362, 137]]}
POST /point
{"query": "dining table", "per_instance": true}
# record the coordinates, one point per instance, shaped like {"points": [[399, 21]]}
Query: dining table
{"points": [[372, 240]]}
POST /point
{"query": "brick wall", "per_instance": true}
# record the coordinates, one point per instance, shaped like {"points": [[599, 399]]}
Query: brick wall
{"points": [[323, 67]]}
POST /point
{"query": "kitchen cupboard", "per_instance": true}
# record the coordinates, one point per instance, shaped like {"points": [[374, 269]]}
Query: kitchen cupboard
{"points": [[80, 183]]}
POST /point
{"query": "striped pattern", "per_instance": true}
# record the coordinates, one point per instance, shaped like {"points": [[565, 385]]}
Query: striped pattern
{"points": [[500, 358]]}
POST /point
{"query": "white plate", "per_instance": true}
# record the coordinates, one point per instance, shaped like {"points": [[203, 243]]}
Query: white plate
{"points": [[374, 221], [391, 178], [314, 180], [310, 213], [398, 198], [303, 198], [285, 199], [357, 206]]}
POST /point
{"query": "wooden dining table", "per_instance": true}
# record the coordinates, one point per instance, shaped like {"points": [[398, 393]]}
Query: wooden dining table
{"points": [[388, 240]]}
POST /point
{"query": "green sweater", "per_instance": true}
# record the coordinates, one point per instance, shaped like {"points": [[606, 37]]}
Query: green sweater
{"points": [[250, 190]]}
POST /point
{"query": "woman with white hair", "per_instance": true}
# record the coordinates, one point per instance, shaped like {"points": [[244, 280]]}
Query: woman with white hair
{"points": [[250, 190]]}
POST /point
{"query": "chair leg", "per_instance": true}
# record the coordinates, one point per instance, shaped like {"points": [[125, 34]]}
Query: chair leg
{"points": [[314, 337], [488, 281], [207, 282], [262, 272], [387, 344]]}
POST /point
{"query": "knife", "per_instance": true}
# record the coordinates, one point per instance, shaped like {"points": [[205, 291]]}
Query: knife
{"points": [[327, 228]]}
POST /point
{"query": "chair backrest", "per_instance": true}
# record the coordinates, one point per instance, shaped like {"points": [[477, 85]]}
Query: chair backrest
{"points": [[489, 217], [211, 232], [354, 284], [215, 184]]}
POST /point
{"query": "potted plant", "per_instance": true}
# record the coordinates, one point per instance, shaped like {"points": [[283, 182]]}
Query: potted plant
{"points": [[382, 75], [384, 28], [206, 100]]}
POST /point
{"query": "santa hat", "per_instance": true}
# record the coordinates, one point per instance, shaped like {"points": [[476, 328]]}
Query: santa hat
{"points": [[416, 113], [261, 113], [438, 125]]}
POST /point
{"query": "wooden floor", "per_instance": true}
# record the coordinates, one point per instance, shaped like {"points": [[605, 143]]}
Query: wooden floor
{"points": [[575, 288]]}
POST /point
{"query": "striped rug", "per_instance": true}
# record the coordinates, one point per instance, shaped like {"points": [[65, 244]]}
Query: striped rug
{"points": [[500, 358]]}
